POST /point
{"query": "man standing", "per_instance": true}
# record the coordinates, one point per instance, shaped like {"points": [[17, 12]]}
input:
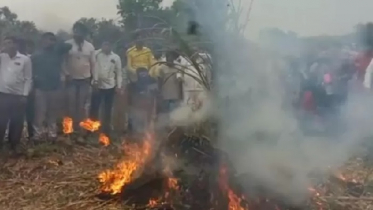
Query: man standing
{"points": [[194, 93], [47, 74], [170, 84], [140, 61], [79, 70], [139, 56], [15, 86], [109, 69]]}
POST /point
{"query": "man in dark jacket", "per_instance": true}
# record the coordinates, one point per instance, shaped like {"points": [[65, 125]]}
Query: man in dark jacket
{"points": [[47, 71]]}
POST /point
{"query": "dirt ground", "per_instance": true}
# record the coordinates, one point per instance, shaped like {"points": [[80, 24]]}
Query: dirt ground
{"points": [[62, 176]]}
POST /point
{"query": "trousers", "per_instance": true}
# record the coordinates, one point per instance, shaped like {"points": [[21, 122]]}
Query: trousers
{"points": [[46, 109], [107, 97], [12, 109], [77, 95]]}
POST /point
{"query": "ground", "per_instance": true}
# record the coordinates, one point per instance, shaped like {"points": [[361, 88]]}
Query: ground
{"points": [[63, 176]]}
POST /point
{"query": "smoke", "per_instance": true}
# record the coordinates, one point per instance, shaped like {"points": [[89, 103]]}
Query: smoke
{"points": [[258, 128], [185, 115]]}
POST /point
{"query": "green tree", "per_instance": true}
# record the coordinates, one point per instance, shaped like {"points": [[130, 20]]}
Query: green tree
{"points": [[105, 30], [139, 13], [10, 25]]}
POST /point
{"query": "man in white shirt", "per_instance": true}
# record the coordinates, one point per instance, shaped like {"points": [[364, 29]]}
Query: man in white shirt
{"points": [[15, 86], [194, 92], [108, 67], [79, 70]]}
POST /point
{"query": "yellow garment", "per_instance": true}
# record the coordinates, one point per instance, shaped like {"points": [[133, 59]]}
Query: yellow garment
{"points": [[141, 59]]}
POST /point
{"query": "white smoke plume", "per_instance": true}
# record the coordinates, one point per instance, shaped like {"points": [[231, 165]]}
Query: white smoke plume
{"points": [[258, 130]]}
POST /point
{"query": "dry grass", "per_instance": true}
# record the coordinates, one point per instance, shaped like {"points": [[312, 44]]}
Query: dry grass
{"points": [[61, 177], [351, 188], [64, 177]]}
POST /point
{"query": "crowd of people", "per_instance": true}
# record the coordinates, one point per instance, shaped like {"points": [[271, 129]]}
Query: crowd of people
{"points": [[72, 80], [324, 80]]}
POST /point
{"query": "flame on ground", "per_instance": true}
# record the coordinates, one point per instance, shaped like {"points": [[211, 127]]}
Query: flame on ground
{"points": [[114, 180], [103, 139], [173, 183], [90, 125], [153, 203], [234, 201], [67, 124]]}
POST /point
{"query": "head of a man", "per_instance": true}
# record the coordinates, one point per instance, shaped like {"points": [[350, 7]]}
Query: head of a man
{"points": [[106, 47], [48, 40], [10, 44], [171, 56], [139, 44], [80, 31]]}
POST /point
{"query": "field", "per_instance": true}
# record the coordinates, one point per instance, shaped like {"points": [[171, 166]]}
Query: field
{"points": [[64, 176]]}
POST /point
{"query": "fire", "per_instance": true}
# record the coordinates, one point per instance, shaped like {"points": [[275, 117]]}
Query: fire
{"points": [[152, 203], [104, 139], [114, 180], [67, 124], [173, 183], [90, 125], [234, 201]]}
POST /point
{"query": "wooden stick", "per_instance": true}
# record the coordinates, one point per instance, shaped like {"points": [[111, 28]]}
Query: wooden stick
{"points": [[347, 198]]}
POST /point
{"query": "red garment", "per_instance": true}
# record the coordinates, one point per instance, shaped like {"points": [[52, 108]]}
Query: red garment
{"points": [[308, 102], [362, 62]]}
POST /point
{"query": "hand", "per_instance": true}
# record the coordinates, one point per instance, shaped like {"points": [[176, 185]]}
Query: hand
{"points": [[119, 91], [66, 78], [95, 83]]}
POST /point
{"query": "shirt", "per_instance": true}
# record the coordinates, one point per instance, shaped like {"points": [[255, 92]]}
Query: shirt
{"points": [[362, 62], [190, 74], [109, 70], [47, 66], [139, 59], [15, 74], [171, 87], [79, 61]]}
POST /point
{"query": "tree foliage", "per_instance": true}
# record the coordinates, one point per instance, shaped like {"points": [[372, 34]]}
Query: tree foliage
{"points": [[139, 13], [10, 25]]}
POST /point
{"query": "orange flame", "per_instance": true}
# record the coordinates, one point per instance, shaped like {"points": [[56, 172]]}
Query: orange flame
{"points": [[114, 180], [67, 124], [103, 139], [234, 201], [173, 184], [90, 125]]}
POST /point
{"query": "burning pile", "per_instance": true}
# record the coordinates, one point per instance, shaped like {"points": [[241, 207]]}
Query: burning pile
{"points": [[124, 172], [189, 173], [178, 174]]}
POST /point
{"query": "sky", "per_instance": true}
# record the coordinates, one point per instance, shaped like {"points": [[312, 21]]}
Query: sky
{"points": [[306, 17]]}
